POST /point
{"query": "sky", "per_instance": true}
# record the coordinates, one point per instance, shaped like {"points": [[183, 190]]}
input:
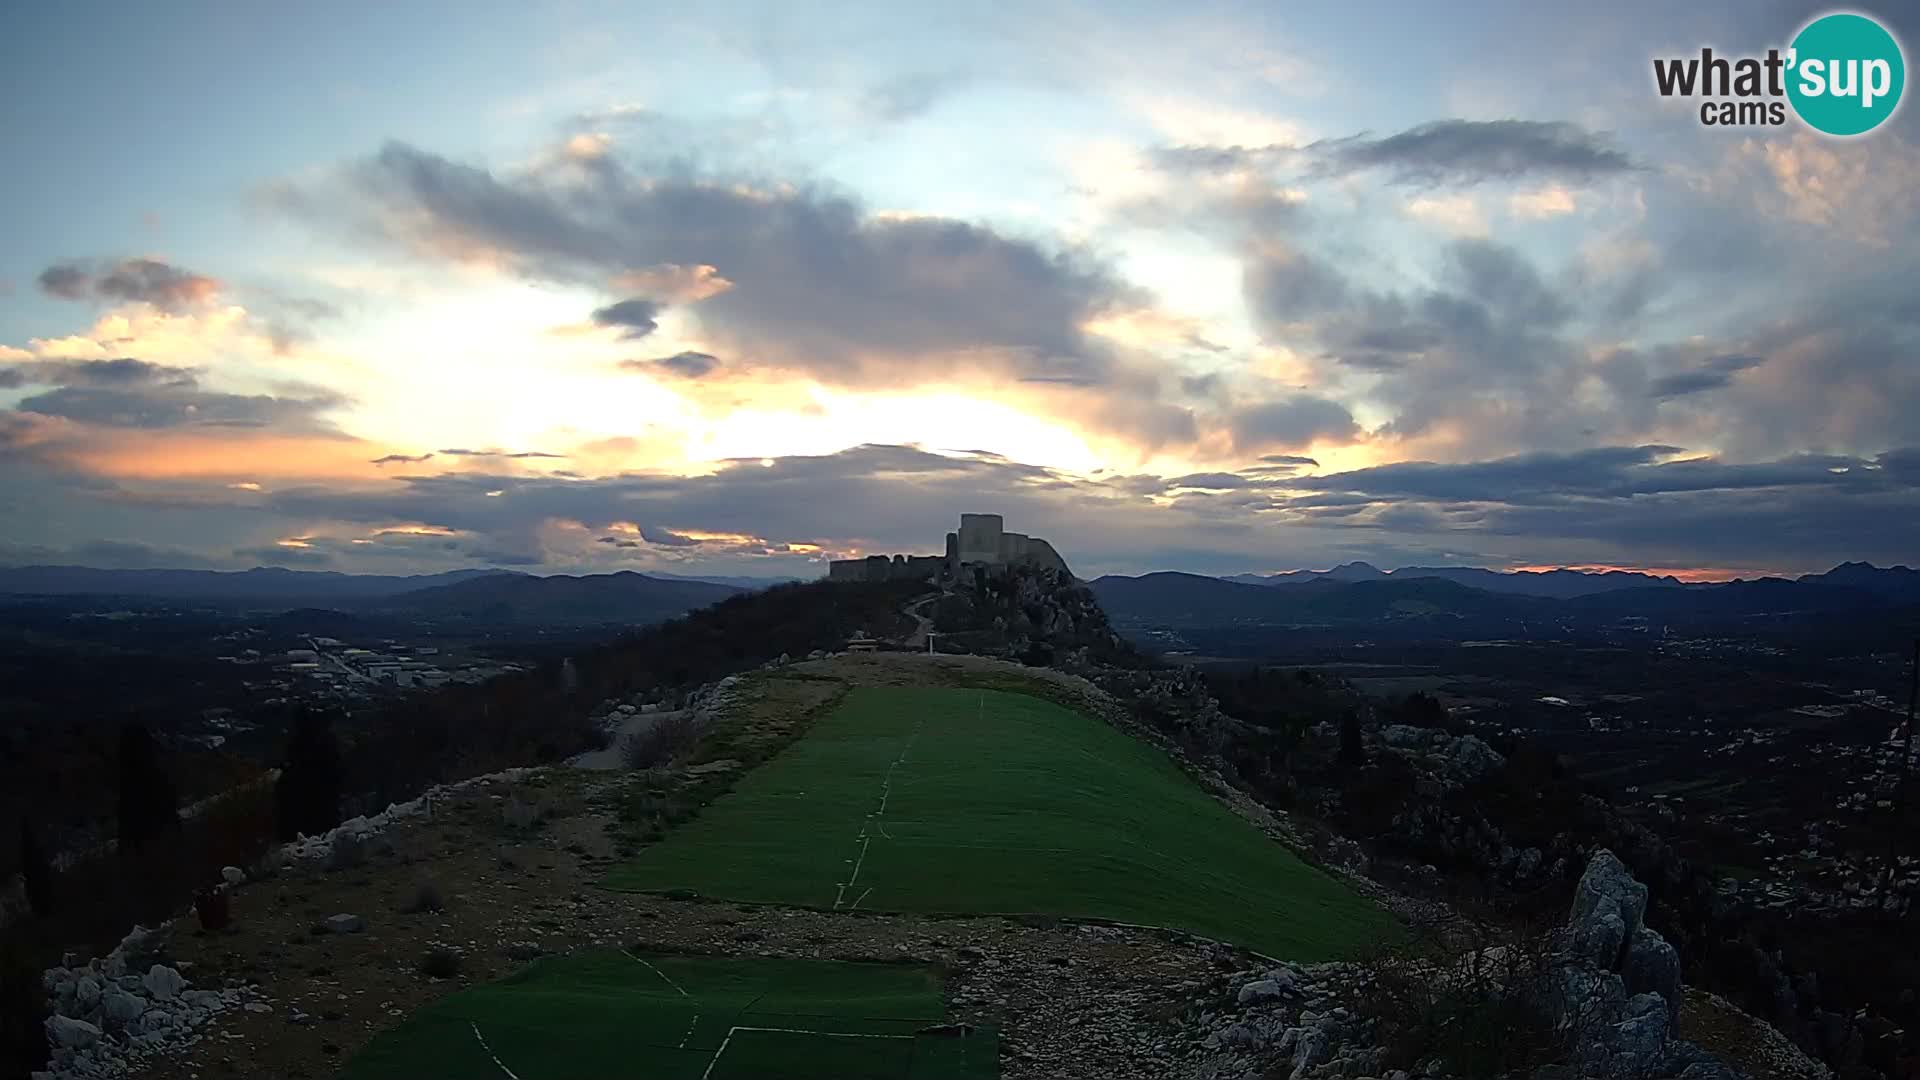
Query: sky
{"points": [[741, 288]]}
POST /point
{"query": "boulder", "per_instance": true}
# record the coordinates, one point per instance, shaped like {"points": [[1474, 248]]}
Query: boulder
{"points": [[140, 949], [164, 983], [1470, 758], [1405, 736], [1260, 990], [1605, 886], [1652, 966], [1627, 1050], [121, 1008], [86, 993], [233, 875], [71, 1034], [1313, 1048], [344, 924], [1599, 938]]}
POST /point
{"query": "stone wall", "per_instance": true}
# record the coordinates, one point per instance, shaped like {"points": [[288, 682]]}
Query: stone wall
{"points": [[982, 540], [886, 568]]}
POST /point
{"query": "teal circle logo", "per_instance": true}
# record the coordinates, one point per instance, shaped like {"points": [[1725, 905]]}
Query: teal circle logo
{"points": [[1845, 74]]}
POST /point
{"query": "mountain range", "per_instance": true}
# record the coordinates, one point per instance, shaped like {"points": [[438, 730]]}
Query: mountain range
{"points": [[1358, 592]]}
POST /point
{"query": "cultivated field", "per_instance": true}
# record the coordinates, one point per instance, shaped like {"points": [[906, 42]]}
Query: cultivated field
{"points": [[603, 1013], [981, 801]]}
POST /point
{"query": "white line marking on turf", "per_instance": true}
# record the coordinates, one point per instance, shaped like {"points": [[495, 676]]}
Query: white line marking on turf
{"points": [[876, 818], [688, 1037], [790, 1031], [863, 896], [489, 1050], [663, 976]]}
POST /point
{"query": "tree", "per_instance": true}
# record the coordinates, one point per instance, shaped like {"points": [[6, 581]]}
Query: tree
{"points": [[36, 869], [306, 798], [147, 807], [1352, 752]]}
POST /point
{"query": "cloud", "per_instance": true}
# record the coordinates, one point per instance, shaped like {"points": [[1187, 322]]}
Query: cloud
{"points": [[284, 555], [68, 281], [170, 407], [149, 281], [120, 372], [686, 365], [818, 283], [1292, 421], [674, 283], [458, 451], [907, 96], [400, 459], [1476, 151], [636, 317], [1715, 373], [666, 537], [1439, 153]]}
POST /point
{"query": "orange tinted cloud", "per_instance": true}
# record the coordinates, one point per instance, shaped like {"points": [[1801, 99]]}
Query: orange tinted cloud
{"points": [[239, 456]]}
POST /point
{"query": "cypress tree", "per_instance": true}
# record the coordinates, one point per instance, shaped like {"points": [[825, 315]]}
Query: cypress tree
{"points": [[307, 795], [147, 806]]}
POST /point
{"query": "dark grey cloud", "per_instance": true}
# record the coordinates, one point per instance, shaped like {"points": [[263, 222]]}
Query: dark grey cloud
{"points": [[618, 541], [121, 372], [818, 283], [1613, 472], [666, 537], [150, 281], [461, 451], [685, 365], [636, 317], [169, 407], [1475, 151], [1716, 373], [1442, 152], [68, 281], [1291, 421], [400, 459]]}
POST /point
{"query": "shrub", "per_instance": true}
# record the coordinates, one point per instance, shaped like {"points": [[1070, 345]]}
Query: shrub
{"points": [[36, 871], [307, 795], [347, 852], [440, 964], [663, 740], [23, 1009], [426, 898], [148, 807], [1483, 1003]]}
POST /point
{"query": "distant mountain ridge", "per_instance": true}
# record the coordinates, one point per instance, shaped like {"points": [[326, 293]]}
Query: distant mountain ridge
{"points": [[1358, 592], [1556, 584], [624, 597], [261, 582]]}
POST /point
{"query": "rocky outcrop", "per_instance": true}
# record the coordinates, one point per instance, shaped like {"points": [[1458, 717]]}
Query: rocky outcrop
{"points": [[1605, 985]]}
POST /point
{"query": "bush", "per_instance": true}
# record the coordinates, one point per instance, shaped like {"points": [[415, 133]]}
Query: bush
{"points": [[23, 1009], [440, 964], [36, 870], [148, 807], [307, 795], [1482, 1003], [663, 740], [426, 898]]}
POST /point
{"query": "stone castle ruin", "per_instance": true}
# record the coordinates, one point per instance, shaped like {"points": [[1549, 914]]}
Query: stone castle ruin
{"points": [[982, 541]]}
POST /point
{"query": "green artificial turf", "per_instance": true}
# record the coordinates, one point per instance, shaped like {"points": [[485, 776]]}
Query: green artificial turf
{"points": [[601, 1014], [972, 801]]}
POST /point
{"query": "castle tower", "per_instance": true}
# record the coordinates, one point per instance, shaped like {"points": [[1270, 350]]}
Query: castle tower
{"points": [[980, 538]]}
